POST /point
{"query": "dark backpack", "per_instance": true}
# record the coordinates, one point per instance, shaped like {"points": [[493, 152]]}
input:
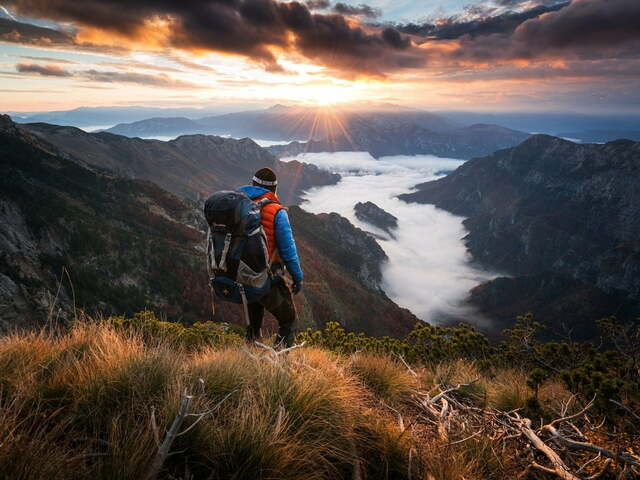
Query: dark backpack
{"points": [[237, 253]]}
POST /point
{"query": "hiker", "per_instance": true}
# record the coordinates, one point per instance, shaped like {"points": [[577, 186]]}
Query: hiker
{"points": [[249, 246], [282, 254]]}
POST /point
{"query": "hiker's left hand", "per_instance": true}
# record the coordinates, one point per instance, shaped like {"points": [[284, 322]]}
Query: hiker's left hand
{"points": [[297, 286]]}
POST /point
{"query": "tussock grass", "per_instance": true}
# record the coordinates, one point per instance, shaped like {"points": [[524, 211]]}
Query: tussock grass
{"points": [[79, 404], [384, 376], [508, 391]]}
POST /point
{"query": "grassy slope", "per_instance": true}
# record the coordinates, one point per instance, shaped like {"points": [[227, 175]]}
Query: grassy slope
{"points": [[80, 404]]}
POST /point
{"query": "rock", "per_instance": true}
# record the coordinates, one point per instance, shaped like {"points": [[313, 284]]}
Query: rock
{"points": [[370, 213]]}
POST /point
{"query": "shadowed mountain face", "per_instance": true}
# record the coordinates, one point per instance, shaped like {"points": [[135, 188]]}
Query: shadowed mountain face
{"points": [[123, 245], [189, 166], [386, 130], [566, 216]]}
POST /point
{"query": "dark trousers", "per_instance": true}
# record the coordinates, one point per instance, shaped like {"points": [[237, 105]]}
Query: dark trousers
{"points": [[278, 302]]}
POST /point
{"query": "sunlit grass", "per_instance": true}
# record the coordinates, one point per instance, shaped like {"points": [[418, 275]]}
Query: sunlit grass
{"points": [[82, 404]]}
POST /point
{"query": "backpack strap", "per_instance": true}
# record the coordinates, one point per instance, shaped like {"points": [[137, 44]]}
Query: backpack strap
{"points": [[225, 250], [264, 201]]}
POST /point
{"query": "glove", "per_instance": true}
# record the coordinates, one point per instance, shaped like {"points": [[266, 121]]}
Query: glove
{"points": [[297, 286]]}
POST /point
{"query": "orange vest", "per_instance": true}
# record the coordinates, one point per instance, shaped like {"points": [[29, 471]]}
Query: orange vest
{"points": [[268, 220]]}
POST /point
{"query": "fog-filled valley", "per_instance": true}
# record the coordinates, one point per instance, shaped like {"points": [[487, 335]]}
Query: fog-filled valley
{"points": [[429, 269]]}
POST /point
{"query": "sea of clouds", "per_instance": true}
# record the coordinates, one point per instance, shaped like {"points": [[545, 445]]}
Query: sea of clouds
{"points": [[429, 270]]}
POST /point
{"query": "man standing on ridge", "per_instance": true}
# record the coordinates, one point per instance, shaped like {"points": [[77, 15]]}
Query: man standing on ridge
{"points": [[282, 253]]}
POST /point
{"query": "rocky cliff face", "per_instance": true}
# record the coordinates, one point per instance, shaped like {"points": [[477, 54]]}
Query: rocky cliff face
{"points": [[370, 213], [189, 166], [72, 235], [554, 209]]}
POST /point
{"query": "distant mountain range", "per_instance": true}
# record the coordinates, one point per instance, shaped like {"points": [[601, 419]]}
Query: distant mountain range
{"points": [[409, 139], [189, 166], [75, 233], [586, 128], [563, 219], [102, 117], [383, 130], [229, 119]]}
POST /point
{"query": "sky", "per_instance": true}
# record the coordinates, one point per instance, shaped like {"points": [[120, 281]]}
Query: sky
{"points": [[475, 55]]}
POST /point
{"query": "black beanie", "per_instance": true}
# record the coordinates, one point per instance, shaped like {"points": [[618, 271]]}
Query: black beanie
{"points": [[266, 178]]}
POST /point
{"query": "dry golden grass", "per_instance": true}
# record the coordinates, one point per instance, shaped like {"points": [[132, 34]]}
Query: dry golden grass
{"points": [[508, 390], [79, 405], [384, 376]]}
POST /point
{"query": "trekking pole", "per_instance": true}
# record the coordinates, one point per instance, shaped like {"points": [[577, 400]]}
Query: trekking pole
{"points": [[213, 301]]}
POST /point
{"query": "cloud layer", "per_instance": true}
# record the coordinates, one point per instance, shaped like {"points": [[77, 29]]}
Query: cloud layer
{"points": [[257, 29], [44, 70], [428, 270], [528, 38], [156, 80], [580, 29]]}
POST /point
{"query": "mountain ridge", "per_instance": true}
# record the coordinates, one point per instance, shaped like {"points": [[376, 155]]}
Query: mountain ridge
{"points": [[378, 130], [82, 236], [553, 211], [189, 166]]}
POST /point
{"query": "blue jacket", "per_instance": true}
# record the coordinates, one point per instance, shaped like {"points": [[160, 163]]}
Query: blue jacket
{"points": [[284, 235]]}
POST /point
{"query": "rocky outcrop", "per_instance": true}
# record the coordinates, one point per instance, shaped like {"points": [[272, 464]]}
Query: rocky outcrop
{"points": [[190, 166], [353, 248], [370, 213], [550, 207]]}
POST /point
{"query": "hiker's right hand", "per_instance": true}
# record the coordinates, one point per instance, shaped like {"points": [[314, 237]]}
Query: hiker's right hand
{"points": [[297, 286]]}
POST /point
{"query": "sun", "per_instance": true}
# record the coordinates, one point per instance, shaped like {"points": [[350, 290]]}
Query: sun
{"points": [[328, 95]]}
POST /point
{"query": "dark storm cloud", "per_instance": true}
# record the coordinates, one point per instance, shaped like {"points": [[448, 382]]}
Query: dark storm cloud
{"points": [[581, 29], [13, 31], [18, 32], [43, 70], [361, 10], [583, 24], [252, 28], [451, 28], [318, 4]]}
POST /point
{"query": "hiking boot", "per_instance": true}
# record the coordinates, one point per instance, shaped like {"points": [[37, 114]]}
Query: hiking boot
{"points": [[253, 334], [284, 338]]}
